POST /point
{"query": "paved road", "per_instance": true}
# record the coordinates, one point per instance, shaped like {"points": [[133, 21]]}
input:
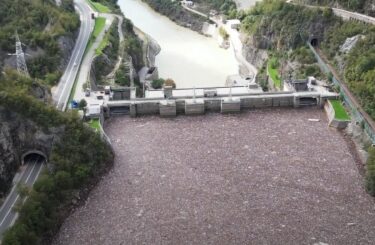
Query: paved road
{"points": [[62, 92], [345, 14], [28, 177]]}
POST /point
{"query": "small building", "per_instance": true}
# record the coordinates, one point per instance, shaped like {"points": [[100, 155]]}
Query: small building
{"points": [[234, 24], [188, 3], [93, 110]]}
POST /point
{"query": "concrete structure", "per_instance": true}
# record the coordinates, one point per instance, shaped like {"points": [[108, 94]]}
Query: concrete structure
{"points": [[194, 107], [235, 24], [167, 108], [332, 121], [178, 105], [93, 111], [122, 93], [230, 104]]}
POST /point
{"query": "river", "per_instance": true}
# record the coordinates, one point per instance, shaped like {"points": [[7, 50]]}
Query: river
{"points": [[187, 57]]}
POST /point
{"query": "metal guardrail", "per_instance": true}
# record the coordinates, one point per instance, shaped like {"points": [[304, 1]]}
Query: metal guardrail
{"points": [[357, 115]]}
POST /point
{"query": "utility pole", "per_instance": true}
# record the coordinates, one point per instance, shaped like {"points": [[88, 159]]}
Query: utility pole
{"points": [[21, 62]]}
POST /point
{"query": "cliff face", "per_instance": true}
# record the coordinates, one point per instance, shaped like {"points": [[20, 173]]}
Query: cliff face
{"points": [[19, 135], [255, 54]]}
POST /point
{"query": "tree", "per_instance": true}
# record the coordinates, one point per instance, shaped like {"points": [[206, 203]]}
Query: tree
{"points": [[82, 104], [157, 83], [170, 82]]}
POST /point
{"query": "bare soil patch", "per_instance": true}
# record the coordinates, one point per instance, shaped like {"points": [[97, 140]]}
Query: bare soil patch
{"points": [[260, 177]]}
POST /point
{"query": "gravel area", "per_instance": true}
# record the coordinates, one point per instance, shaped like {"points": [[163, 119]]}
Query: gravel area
{"points": [[259, 177]]}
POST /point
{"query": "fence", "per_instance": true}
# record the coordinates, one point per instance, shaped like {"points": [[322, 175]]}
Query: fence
{"points": [[355, 110]]}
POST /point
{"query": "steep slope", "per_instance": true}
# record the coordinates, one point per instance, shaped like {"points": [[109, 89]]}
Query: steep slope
{"points": [[46, 30]]}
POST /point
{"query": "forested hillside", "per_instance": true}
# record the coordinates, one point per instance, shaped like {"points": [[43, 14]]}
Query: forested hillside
{"points": [[283, 28], [44, 29], [362, 6], [78, 157]]}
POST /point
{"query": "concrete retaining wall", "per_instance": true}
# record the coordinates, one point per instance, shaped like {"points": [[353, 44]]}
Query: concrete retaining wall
{"points": [[332, 122]]}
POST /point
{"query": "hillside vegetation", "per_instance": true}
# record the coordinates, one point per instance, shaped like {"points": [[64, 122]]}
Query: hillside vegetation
{"points": [[362, 6], [285, 28], [39, 24], [78, 158]]}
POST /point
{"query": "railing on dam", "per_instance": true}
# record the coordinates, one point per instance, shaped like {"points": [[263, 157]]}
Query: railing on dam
{"points": [[356, 110]]}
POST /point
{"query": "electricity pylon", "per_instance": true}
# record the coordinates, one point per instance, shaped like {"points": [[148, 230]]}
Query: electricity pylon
{"points": [[21, 62]]}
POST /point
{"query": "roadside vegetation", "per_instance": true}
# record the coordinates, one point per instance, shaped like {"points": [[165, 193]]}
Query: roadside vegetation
{"points": [[78, 158], [95, 124], [99, 7]]}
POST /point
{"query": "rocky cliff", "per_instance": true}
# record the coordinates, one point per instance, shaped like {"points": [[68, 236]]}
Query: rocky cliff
{"points": [[18, 135]]}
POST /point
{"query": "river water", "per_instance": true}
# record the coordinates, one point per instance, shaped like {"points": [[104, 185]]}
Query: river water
{"points": [[187, 57]]}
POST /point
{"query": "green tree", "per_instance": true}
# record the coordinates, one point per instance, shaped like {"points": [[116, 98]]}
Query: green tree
{"points": [[157, 83], [82, 104]]}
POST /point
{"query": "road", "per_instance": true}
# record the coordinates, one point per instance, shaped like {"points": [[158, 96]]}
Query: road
{"points": [[62, 92], [344, 14], [29, 175]]}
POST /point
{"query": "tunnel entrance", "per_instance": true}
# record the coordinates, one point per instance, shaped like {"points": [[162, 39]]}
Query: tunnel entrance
{"points": [[33, 157], [314, 42]]}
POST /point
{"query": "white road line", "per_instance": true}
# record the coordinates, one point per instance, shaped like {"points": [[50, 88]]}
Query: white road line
{"points": [[36, 177], [77, 55], [13, 189], [11, 207]]}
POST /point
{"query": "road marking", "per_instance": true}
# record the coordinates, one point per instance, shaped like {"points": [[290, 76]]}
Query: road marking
{"points": [[79, 54], [11, 207], [35, 179], [13, 189]]}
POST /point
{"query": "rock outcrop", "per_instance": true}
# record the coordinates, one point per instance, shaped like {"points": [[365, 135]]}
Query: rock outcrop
{"points": [[253, 52], [19, 135]]}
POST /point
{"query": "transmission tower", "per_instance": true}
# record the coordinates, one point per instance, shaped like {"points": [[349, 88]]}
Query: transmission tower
{"points": [[21, 62]]}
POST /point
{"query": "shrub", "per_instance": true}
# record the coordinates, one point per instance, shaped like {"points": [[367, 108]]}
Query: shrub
{"points": [[157, 83]]}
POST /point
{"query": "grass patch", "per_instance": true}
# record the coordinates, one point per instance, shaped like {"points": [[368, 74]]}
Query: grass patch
{"points": [[99, 26], [95, 124], [273, 72], [102, 44], [340, 112], [99, 7]]}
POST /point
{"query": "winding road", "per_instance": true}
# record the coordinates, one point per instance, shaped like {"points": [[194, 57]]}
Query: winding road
{"points": [[64, 88]]}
